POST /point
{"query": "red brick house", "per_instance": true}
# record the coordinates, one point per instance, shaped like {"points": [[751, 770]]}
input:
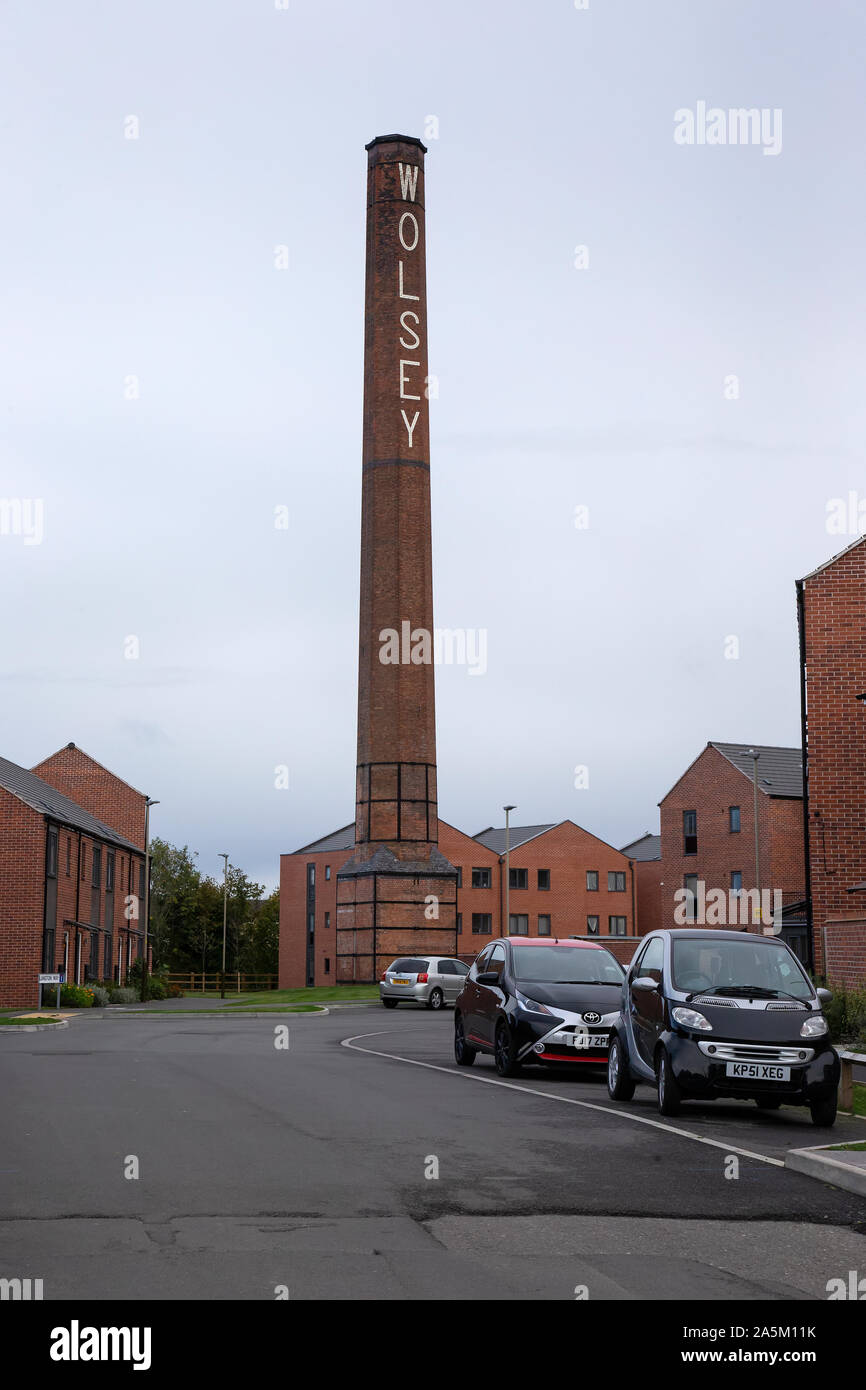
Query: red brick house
{"points": [[708, 841], [646, 854], [563, 882], [71, 874], [832, 620]]}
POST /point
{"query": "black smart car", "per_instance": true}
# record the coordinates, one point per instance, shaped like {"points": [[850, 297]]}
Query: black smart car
{"points": [[722, 1013], [538, 999]]}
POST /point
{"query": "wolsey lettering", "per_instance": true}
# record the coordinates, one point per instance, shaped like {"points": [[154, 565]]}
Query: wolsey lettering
{"points": [[408, 234]]}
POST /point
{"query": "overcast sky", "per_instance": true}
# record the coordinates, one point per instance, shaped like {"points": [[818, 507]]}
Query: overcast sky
{"points": [[607, 387]]}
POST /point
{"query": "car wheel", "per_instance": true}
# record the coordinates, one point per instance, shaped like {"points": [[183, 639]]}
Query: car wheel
{"points": [[619, 1083], [464, 1055], [390, 1003], [505, 1051], [436, 1000], [670, 1095], [823, 1112], [767, 1103]]}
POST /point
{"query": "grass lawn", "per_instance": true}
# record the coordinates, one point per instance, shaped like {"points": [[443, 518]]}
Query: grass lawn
{"points": [[857, 1148], [325, 994], [27, 1022], [130, 1011], [859, 1099]]}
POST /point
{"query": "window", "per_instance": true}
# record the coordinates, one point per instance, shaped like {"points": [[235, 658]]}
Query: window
{"points": [[106, 964], [327, 960], [51, 855], [459, 877], [497, 959], [83, 859], [517, 878], [109, 879], [96, 867], [736, 880], [592, 925], [480, 878], [445, 967], [518, 924], [734, 819], [482, 924], [690, 883], [616, 881], [460, 968], [141, 878], [544, 924], [652, 959], [459, 923], [311, 924], [690, 832], [481, 961], [327, 871], [592, 880], [327, 920], [616, 926], [311, 875], [68, 854], [544, 880]]}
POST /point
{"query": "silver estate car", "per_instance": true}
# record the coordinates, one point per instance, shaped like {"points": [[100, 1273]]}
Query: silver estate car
{"points": [[431, 980]]}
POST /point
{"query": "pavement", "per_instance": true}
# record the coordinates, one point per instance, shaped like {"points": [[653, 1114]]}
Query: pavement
{"points": [[360, 1163]]}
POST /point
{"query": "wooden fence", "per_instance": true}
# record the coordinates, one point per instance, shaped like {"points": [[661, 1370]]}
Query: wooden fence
{"points": [[192, 982]]}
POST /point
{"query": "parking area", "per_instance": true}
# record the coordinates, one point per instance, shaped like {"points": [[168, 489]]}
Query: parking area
{"points": [[340, 1173]]}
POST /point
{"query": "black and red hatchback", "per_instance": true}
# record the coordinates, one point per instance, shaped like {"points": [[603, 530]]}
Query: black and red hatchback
{"points": [[538, 999]]}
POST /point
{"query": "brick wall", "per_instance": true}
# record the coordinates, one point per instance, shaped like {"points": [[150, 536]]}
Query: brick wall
{"points": [[648, 882], [89, 784], [846, 949], [834, 618], [567, 851], [711, 786], [22, 866]]}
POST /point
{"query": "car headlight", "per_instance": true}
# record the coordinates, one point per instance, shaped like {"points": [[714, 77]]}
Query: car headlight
{"points": [[532, 1004], [814, 1027], [690, 1018]]}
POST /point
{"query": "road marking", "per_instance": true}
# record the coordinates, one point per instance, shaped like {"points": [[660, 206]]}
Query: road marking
{"points": [[563, 1100]]}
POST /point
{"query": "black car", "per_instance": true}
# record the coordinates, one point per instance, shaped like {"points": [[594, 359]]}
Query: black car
{"points": [[538, 999], [723, 1013]]}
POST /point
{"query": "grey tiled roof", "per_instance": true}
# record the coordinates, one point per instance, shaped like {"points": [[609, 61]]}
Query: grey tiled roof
{"points": [[494, 838], [780, 770], [647, 847], [45, 799], [337, 840]]}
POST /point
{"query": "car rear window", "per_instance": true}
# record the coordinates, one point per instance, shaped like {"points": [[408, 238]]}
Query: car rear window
{"points": [[410, 965], [567, 965]]}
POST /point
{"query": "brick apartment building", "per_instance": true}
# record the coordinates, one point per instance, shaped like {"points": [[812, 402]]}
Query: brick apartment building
{"points": [[72, 839], [832, 621], [646, 854], [563, 882], [708, 834]]}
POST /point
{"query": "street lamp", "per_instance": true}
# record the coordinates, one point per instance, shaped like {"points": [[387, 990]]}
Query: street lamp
{"points": [[507, 810], [755, 755], [225, 860], [148, 802]]}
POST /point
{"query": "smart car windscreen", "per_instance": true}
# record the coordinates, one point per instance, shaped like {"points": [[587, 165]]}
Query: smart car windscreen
{"points": [[741, 966], [566, 965]]}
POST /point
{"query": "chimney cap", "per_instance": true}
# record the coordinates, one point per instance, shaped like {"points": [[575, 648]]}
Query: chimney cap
{"points": [[70, 745], [396, 140]]}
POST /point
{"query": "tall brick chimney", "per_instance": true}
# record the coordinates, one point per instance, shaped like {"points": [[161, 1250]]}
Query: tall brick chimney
{"points": [[398, 893]]}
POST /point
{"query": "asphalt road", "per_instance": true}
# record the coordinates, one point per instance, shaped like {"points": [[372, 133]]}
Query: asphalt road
{"points": [[313, 1169]]}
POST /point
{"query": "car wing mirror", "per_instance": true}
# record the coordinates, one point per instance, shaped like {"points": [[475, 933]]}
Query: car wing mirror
{"points": [[824, 995], [488, 977], [645, 983]]}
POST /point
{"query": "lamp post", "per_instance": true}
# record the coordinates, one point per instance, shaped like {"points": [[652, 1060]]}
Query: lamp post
{"points": [[225, 860], [755, 755], [507, 932], [148, 802]]}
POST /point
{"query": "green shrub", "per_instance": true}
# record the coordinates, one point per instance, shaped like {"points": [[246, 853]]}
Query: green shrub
{"points": [[175, 992], [846, 1014], [100, 996], [121, 995], [76, 997]]}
